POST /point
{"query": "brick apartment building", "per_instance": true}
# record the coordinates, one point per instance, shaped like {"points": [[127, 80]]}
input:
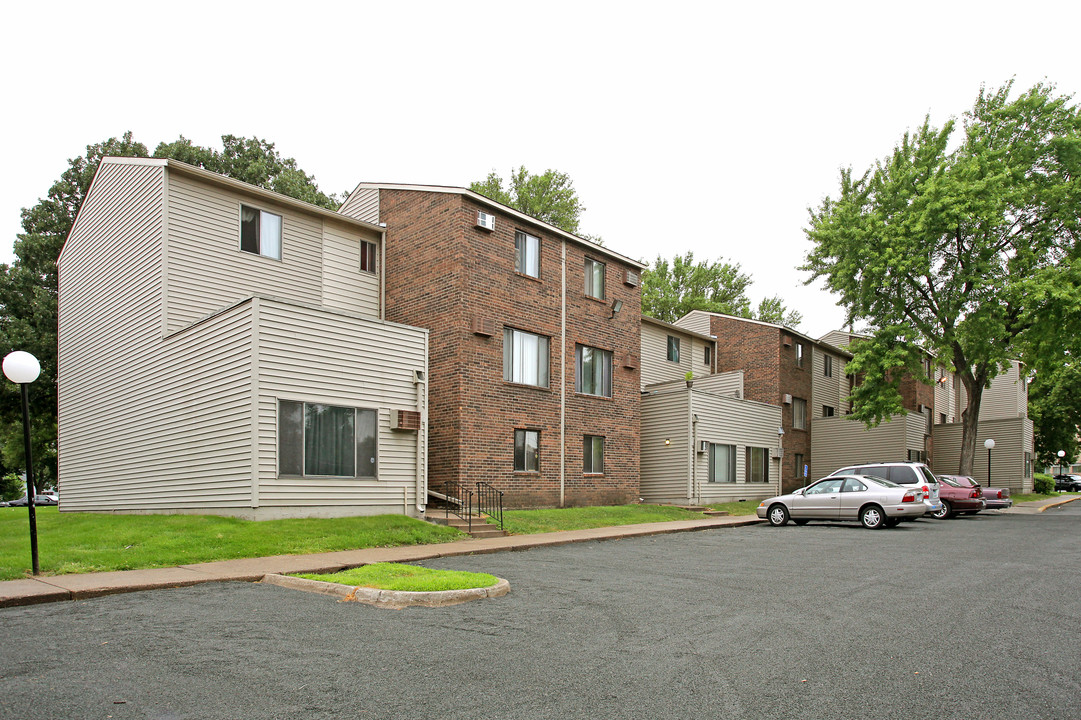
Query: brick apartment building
{"points": [[783, 367], [534, 344]]}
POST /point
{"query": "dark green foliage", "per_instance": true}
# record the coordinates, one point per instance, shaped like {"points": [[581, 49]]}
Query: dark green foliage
{"points": [[28, 287], [671, 290], [1043, 484], [963, 250], [549, 197]]}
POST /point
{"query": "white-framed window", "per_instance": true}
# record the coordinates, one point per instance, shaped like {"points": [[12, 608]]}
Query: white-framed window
{"points": [[827, 365], [707, 356], [319, 440], [722, 463], [260, 232], [799, 413], [594, 279], [525, 358], [526, 254], [527, 450], [593, 454], [592, 371], [828, 411], [673, 348], [799, 354], [367, 256], [757, 464]]}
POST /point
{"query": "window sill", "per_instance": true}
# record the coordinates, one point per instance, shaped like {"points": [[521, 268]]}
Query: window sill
{"points": [[592, 475], [526, 276], [524, 386], [601, 301], [609, 398], [527, 472]]}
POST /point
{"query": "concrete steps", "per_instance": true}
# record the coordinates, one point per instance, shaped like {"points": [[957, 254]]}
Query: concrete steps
{"points": [[480, 528]]}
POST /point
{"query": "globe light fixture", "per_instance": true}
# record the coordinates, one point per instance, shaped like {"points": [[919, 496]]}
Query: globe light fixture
{"points": [[22, 368], [989, 444]]}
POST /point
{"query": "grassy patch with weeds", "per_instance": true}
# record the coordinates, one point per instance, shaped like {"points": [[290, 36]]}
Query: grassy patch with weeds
{"points": [[526, 522], [92, 542], [410, 578], [1040, 496], [741, 507]]}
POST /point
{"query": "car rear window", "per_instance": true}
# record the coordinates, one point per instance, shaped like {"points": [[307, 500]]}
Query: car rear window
{"points": [[879, 472], [948, 481], [927, 474], [904, 475], [882, 481]]}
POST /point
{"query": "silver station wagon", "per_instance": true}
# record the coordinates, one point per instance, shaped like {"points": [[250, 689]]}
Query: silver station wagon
{"points": [[874, 502], [909, 474]]}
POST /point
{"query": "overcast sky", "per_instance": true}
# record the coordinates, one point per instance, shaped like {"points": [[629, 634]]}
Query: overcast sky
{"points": [[709, 127]]}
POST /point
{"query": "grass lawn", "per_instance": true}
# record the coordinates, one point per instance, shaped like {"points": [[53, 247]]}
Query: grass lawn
{"points": [[395, 576], [91, 542], [527, 522]]}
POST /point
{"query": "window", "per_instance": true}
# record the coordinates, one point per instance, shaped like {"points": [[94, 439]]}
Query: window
{"points": [[526, 450], [707, 357], [854, 485], [799, 354], [593, 371], [673, 348], [722, 463], [827, 411], [801, 472], [942, 418], [595, 279], [799, 414], [326, 440], [593, 454], [526, 254], [827, 365], [260, 232], [1028, 464], [525, 358], [757, 464], [367, 256]]}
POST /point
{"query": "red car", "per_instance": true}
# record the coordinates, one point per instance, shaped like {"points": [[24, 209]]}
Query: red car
{"points": [[959, 494]]}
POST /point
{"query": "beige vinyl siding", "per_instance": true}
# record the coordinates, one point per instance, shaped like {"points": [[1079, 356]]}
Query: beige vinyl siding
{"points": [[695, 321], [947, 398], [312, 355], [1013, 438], [363, 204], [345, 286], [724, 420], [144, 426], [839, 441], [657, 368], [831, 391], [665, 469], [206, 269], [1007, 397], [837, 338]]}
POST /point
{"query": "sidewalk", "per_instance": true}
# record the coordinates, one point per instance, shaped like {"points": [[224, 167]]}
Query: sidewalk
{"points": [[53, 588], [1033, 507]]}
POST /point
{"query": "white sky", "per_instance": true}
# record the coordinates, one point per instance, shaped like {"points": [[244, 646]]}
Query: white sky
{"points": [[709, 127]]}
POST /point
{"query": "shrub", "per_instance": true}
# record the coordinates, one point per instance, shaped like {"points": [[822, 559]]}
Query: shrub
{"points": [[1043, 484]]}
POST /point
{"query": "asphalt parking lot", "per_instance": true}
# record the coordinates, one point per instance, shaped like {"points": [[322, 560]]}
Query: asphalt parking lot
{"points": [[970, 618]]}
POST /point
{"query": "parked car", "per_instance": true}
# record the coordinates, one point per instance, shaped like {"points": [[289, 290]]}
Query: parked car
{"points": [[1068, 483], [909, 474], [997, 498], [38, 500], [874, 502], [959, 494]]}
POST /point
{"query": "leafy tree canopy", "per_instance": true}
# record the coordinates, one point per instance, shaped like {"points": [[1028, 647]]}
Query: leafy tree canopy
{"points": [[670, 290], [1055, 409], [28, 287], [963, 251], [549, 197]]}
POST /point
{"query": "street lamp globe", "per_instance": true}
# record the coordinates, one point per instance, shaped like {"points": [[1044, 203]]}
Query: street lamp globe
{"points": [[1061, 454], [21, 367], [989, 444]]}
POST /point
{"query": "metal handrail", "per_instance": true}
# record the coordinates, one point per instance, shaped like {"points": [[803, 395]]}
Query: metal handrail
{"points": [[454, 493], [490, 502]]}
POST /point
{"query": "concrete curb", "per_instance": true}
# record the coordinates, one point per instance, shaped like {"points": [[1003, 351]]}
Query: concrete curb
{"points": [[389, 599], [1060, 502]]}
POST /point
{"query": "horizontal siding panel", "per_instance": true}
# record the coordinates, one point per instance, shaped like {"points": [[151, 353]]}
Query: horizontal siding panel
{"points": [[724, 420], [840, 441], [363, 205], [1013, 438], [665, 469], [657, 368], [345, 286]]}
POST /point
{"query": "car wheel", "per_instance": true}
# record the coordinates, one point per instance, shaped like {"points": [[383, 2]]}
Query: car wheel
{"points": [[778, 515], [872, 517], [943, 512]]}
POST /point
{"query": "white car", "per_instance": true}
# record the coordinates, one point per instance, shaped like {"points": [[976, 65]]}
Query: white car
{"points": [[909, 474], [874, 502]]}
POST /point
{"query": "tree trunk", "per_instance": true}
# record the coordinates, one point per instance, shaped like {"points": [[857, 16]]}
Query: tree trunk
{"points": [[970, 419]]}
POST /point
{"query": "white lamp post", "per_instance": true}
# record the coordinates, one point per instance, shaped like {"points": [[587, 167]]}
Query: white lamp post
{"points": [[1061, 455], [23, 368], [989, 444]]}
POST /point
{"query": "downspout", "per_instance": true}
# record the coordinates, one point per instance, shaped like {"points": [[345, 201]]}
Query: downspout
{"points": [[563, 384], [419, 382], [692, 491], [383, 278]]}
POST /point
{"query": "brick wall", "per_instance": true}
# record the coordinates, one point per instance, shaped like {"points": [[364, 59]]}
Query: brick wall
{"points": [[473, 411]]}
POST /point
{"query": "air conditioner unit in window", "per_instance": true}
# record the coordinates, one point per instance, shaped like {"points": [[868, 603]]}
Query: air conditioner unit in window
{"points": [[486, 221], [703, 446], [630, 277], [405, 420], [483, 326], [787, 399]]}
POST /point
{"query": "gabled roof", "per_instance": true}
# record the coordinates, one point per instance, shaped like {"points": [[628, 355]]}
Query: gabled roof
{"points": [[516, 214], [782, 328], [646, 319]]}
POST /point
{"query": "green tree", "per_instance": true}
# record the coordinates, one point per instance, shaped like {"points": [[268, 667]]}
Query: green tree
{"points": [[955, 250], [670, 290], [1055, 409], [549, 197], [28, 287]]}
